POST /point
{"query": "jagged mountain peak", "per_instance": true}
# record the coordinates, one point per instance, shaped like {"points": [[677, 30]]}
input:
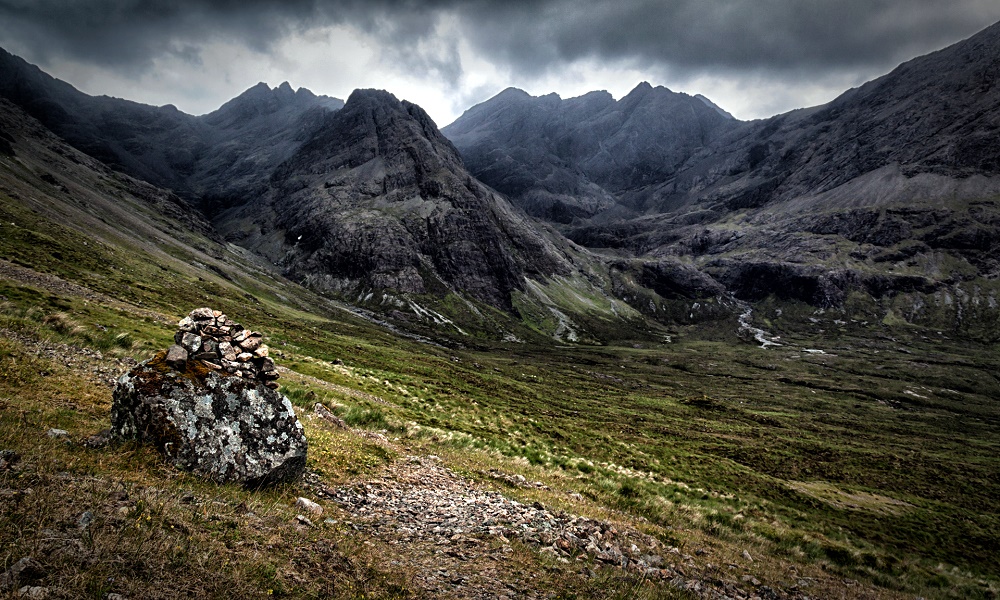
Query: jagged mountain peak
{"points": [[261, 99], [378, 197], [375, 123], [564, 160], [371, 96], [513, 92]]}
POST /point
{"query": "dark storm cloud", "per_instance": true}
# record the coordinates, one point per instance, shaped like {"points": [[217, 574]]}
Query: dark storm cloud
{"points": [[129, 34], [529, 36], [768, 35]]}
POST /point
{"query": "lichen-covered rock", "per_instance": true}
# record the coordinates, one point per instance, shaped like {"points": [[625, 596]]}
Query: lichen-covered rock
{"points": [[226, 428]]}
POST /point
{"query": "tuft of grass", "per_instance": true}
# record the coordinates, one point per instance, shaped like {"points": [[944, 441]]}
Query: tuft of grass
{"points": [[369, 418]]}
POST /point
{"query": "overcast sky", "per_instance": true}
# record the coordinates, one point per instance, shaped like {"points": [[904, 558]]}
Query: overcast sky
{"points": [[755, 58]]}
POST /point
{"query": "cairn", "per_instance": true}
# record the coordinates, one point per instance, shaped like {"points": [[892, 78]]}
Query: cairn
{"points": [[223, 345]]}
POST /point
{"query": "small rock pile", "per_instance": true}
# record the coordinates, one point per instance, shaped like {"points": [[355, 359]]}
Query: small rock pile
{"points": [[222, 344]]}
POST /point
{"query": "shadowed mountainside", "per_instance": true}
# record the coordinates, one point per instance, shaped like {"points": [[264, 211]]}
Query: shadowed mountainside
{"points": [[210, 159], [586, 156], [378, 199]]}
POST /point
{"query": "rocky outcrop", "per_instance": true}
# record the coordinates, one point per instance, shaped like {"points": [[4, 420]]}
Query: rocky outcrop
{"points": [[379, 199], [226, 427], [890, 189]]}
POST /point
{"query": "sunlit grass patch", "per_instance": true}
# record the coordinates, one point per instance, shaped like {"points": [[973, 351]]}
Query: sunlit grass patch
{"points": [[851, 499]]}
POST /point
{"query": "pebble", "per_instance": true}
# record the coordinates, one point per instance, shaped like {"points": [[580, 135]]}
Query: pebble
{"points": [[309, 506], [327, 415], [57, 433], [302, 519], [27, 568]]}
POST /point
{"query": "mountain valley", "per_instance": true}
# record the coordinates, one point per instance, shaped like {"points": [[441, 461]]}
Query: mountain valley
{"points": [[666, 353]]}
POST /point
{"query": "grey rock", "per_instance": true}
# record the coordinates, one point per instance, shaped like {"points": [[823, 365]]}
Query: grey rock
{"points": [[98, 440], [8, 458], [33, 592], [309, 506], [325, 414], [226, 350], [25, 570], [202, 314], [176, 357], [251, 342], [191, 342], [225, 428], [57, 433], [304, 521]]}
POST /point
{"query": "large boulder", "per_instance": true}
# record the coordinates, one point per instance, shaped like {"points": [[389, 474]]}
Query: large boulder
{"points": [[224, 427]]}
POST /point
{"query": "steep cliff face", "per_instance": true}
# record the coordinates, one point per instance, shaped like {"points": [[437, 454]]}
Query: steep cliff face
{"points": [[574, 159], [377, 199]]}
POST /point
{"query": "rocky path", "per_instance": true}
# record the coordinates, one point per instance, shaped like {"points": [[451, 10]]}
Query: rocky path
{"points": [[461, 540]]}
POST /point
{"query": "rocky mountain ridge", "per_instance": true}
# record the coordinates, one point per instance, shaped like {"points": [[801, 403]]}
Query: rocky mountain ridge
{"points": [[582, 157], [208, 159], [889, 191], [373, 206], [378, 199]]}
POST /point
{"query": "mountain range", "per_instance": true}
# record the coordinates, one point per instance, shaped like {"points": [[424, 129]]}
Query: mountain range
{"points": [[576, 215]]}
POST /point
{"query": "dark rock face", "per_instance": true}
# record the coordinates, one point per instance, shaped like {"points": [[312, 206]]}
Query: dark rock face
{"points": [[570, 159], [379, 199], [225, 428], [673, 280]]}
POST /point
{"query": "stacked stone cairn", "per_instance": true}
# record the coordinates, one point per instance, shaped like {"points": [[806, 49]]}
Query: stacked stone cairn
{"points": [[223, 345]]}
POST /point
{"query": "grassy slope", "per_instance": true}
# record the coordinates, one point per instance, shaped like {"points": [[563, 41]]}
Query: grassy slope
{"points": [[876, 463]]}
